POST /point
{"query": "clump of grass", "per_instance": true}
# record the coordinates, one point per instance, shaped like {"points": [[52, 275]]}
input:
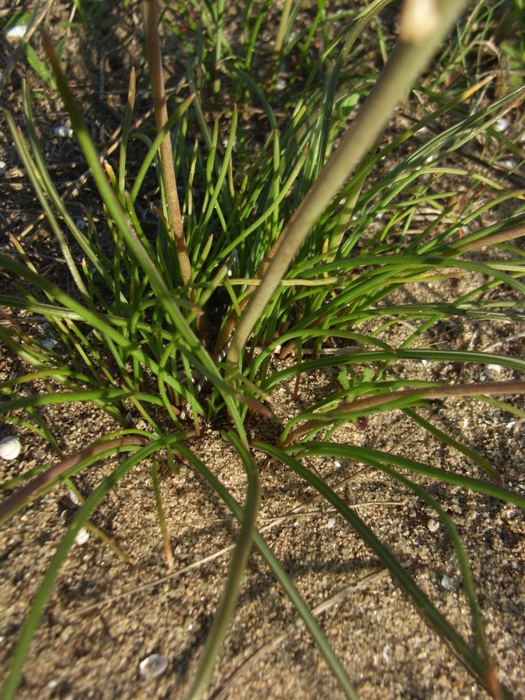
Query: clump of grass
{"points": [[274, 250]]}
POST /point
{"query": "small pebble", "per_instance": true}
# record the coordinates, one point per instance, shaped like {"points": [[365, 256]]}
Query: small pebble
{"points": [[16, 32], [362, 423], [501, 125], [3, 167], [225, 143], [331, 523], [152, 666], [63, 132], [10, 447]]}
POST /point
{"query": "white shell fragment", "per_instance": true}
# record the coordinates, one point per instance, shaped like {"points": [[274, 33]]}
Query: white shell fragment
{"points": [[10, 447], [433, 525], [63, 132], [331, 523], [82, 536], [445, 582], [152, 666]]}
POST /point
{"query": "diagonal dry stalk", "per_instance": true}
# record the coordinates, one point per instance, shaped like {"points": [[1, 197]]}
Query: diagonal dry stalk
{"points": [[175, 228], [365, 403], [29, 491]]}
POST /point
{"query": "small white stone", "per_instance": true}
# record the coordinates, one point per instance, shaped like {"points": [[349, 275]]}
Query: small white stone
{"points": [[387, 651], [433, 525], [331, 523], [10, 447], [3, 167], [16, 32], [63, 132], [425, 363], [494, 368], [152, 666], [501, 125], [82, 536], [49, 343]]}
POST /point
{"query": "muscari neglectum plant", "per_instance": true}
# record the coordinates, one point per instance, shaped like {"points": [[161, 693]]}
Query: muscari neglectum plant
{"points": [[282, 238]]}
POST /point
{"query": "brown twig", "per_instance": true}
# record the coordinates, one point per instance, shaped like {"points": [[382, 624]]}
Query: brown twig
{"points": [[27, 492]]}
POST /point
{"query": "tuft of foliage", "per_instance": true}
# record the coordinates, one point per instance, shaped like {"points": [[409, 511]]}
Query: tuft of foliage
{"points": [[295, 239]]}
